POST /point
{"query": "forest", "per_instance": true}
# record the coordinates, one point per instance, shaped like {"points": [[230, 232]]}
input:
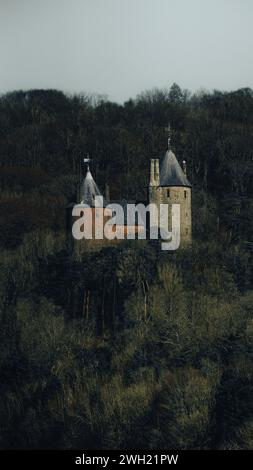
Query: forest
{"points": [[128, 347]]}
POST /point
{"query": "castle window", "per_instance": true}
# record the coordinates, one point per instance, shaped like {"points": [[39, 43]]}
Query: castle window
{"points": [[186, 231], [168, 193], [185, 194]]}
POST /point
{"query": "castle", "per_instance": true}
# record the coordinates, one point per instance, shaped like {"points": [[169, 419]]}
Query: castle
{"points": [[168, 185]]}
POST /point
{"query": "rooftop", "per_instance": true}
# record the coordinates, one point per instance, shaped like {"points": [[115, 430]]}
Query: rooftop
{"points": [[171, 173]]}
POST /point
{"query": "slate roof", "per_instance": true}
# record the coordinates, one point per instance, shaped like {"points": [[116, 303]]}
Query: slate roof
{"points": [[89, 190], [171, 173]]}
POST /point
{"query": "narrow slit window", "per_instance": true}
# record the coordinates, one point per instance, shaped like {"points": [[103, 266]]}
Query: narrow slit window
{"points": [[168, 193], [185, 194]]}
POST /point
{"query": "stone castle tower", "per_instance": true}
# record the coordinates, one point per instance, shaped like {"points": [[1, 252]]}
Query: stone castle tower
{"points": [[169, 185]]}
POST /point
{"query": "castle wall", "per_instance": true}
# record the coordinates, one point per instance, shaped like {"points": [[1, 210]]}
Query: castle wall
{"points": [[92, 244], [175, 195]]}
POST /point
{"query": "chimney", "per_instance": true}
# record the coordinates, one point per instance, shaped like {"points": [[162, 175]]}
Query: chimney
{"points": [[157, 172], [154, 172]]}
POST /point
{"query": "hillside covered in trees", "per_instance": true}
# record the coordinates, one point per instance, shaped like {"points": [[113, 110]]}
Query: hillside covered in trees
{"points": [[129, 347]]}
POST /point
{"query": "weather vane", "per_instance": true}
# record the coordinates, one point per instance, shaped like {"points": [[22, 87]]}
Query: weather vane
{"points": [[87, 160], [168, 129]]}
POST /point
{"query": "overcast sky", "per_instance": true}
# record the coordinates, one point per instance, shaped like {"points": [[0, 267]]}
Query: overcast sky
{"points": [[122, 47]]}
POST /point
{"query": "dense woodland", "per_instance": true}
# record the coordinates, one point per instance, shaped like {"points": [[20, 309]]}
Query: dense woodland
{"points": [[129, 347]]}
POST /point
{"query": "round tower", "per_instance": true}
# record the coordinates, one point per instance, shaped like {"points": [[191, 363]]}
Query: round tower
{"points": [[172, 187], [176, 189]]}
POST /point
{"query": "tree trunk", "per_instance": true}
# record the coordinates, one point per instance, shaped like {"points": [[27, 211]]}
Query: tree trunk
{"points": [[114, 305], [103, 311]]}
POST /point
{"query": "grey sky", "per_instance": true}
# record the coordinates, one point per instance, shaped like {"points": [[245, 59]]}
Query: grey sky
{"points": [[123, 47]]}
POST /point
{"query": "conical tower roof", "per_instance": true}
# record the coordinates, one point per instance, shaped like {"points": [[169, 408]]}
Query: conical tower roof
{"points": [[171, 173], [89, 190]]}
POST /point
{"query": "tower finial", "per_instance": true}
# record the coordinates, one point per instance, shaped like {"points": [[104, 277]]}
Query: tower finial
{"points": [[168, 129], [87, 160]]}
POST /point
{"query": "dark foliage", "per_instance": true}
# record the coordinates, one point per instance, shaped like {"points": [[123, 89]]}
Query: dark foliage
{"points": [[129, 347]]}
